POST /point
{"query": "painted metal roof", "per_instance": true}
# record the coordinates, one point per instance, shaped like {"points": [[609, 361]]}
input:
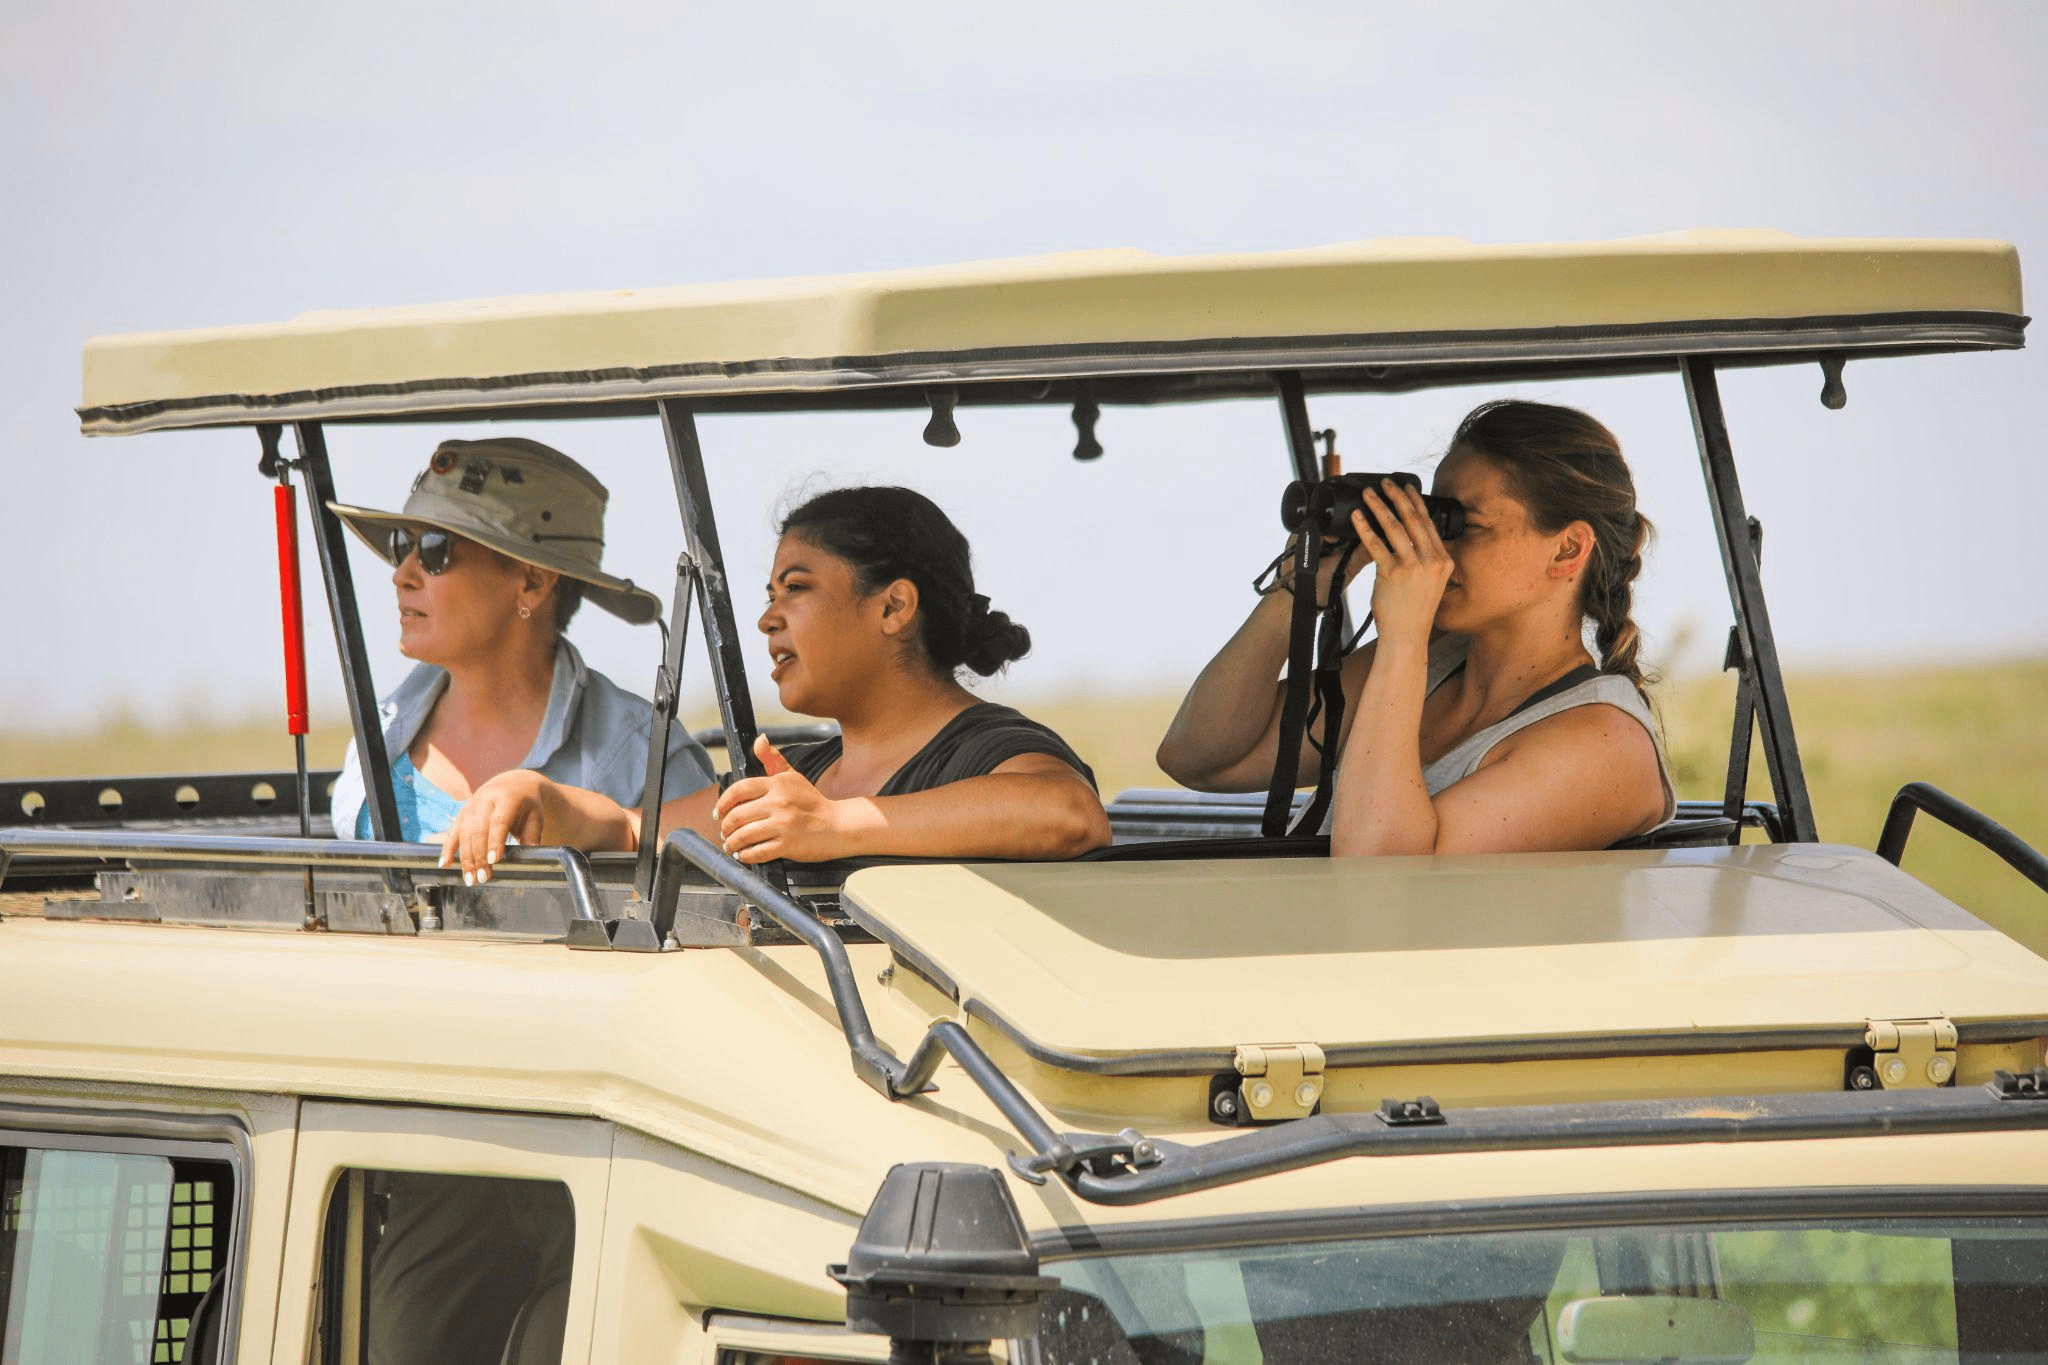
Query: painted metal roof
{"points": [[1163, 967], [1118, 325]]}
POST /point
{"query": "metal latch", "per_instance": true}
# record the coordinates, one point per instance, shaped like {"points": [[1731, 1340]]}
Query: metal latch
{"points": [[1909, 1054], [1420, 1112], [2023, 1085], [1281, 1081]]}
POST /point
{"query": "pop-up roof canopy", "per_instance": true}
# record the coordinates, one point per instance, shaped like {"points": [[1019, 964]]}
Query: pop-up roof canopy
{"points": [[1130, 326]]}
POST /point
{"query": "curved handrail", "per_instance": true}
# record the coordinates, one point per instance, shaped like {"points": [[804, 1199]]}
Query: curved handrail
{"points": [[260, 850], [1914, 797], [582, 885], [872, 1061]]}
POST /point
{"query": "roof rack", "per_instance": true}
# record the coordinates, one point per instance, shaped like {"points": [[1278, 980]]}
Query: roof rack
{"points": [[363, 886]]}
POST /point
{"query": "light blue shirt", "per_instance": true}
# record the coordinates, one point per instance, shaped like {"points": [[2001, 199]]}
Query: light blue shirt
{"points": [[593, 735], [425, 812]]}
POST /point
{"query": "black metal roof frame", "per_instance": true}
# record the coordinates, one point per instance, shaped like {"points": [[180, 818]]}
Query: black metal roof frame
{"points": [[702, 582]]}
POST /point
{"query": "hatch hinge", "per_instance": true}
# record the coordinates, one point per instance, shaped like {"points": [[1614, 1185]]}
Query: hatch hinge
{"points": [[1275, 1081], [1907, 1054]]}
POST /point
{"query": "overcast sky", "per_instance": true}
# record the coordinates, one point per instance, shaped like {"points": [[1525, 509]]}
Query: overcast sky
{"points": [[183, 166]]}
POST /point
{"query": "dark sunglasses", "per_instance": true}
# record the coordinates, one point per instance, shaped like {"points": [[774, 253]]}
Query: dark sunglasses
{"points": [[435, 548]]}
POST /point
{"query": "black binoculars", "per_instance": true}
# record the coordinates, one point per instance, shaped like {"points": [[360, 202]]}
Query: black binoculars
{"points": [[1327, 506]]}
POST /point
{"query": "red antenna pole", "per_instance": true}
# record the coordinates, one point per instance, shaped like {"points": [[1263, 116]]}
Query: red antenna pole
{"points": [[292, 603]]}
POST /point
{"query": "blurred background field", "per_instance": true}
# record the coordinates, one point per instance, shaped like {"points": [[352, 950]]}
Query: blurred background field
{"points": [[1979, 732]]}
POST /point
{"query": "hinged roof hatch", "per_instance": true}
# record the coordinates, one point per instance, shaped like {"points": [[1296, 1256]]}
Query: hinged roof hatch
{"points": [[1163, 969]]}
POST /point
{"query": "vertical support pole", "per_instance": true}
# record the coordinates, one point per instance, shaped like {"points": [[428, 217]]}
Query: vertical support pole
{"points": [[1301, 439], [348, 632], [1735, 795], [1745, 591], [714, 595], [665, 687], [1301, 450]]}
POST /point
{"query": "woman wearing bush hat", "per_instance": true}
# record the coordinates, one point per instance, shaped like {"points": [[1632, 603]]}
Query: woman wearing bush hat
{"points": [[497, 546]]}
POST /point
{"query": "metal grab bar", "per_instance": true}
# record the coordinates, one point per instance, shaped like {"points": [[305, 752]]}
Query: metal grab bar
{"points": [[2006, 1104], [543, 860], [872, 1062], [1914, 797], [582, 885]]}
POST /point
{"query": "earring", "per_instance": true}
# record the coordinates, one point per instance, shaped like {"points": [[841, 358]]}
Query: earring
{"points": [[525, 612]]}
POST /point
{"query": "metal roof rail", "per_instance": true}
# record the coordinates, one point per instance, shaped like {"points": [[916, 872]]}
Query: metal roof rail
{"points": [[596, 909], [1967, 820]]}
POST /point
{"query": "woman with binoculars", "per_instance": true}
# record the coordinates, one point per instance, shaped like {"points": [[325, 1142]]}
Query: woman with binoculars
{"points": [[1477, 721]]}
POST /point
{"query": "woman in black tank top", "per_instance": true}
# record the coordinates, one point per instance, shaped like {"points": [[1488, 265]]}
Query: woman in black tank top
{"points": [[871, 615]]}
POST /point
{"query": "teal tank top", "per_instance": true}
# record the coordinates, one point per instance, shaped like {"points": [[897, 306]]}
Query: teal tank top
{"points": [[425, 812]]}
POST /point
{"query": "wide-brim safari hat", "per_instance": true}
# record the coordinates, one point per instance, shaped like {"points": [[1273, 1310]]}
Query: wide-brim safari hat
{"points": [[522, 499]]}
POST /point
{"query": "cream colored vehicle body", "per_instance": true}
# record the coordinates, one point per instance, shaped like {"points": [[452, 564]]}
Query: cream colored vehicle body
{"points": [[720, 1152], [1669, 1028]]}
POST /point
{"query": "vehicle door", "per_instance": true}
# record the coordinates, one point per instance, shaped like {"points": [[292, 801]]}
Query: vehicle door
{"points": [[427, 1233]]}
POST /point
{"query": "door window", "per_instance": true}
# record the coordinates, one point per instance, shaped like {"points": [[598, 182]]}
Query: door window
{"points": [[427, 1267], [110, 1255]]}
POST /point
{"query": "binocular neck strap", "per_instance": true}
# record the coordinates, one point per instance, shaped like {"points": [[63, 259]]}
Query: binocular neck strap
{"points": [[1328, 703], [1307, 673], [1294, 701]]}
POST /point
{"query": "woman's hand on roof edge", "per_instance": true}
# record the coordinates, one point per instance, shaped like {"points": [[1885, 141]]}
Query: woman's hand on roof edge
{"points": [[534, 809], [512, 803], [782, 815]]}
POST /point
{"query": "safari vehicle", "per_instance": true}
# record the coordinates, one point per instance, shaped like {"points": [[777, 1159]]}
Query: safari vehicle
{"points": [[1203, 1096]]}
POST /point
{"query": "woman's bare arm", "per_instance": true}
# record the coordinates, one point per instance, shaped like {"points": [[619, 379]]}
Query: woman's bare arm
{"points": [[1226, 734], [534, 810], [1578, 780], [1032, 806]]}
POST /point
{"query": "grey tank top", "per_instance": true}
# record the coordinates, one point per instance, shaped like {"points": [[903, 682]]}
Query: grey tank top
{"points": [[1447, 655]]}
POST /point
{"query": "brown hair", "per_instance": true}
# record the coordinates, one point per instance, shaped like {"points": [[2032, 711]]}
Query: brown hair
{"points": [[568, 596], [1566, 467]]}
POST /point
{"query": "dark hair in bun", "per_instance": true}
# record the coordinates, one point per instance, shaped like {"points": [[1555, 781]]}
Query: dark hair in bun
{"points": [[891, 533]]}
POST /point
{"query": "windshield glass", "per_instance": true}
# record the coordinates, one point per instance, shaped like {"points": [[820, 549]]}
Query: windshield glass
{"points": [[1907, 1290]]}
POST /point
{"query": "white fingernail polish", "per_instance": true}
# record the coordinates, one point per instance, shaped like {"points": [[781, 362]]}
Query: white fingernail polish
{"points": [[469, 879], [492, 856]]}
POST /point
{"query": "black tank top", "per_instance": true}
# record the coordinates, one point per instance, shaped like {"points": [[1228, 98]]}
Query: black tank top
{"points": [[972, 744]]}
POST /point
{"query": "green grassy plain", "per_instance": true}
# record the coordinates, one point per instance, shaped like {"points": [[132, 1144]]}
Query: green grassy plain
{"points": [[1980, 733]]}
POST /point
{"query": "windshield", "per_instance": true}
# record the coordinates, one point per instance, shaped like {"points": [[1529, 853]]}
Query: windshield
{"points": [[1906, 1290]]}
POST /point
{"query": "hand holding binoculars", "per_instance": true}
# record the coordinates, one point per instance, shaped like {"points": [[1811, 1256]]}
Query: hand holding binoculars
{"points": [[1327, 505]]}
